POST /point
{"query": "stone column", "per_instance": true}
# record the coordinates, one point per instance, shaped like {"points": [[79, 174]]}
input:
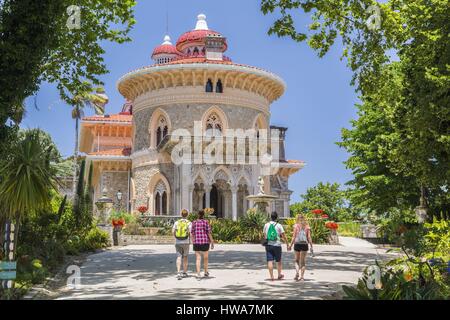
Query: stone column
{"points": [[234, 190], [185, 180], [200, 199], [191, 194], [208, 196], [244, 203], [286, 212], [160, 205]]}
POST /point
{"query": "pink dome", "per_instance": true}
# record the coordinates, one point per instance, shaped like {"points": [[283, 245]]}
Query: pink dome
{"points": [[165, 49], [195, 36]]}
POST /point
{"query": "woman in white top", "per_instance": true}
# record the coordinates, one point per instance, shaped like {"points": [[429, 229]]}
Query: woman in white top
{"points": [[300, 239]]}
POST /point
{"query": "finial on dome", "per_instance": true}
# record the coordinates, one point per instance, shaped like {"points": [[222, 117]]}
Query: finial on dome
{"points": [[201, 22], [167, 40]]}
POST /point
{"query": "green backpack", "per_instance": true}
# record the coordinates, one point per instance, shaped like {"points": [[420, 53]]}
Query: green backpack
{"points": [[272, 234], [181, 233]]}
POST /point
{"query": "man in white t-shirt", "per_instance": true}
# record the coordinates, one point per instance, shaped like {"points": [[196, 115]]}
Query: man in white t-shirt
{"points": [[182, 231], [274, 233]]}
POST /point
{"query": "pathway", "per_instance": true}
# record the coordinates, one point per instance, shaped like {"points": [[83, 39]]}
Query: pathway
{"points": [[237, 272]]}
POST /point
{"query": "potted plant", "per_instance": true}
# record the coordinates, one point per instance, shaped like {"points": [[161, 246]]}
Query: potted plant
{"points": [[333, 226], [142, 209], [118, 226]]}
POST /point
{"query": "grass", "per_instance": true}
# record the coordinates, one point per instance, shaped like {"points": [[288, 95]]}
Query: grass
{"points": [[349, 229]]}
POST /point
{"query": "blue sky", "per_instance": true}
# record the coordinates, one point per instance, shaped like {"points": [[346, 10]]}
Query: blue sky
{"points": [[319, 100]]}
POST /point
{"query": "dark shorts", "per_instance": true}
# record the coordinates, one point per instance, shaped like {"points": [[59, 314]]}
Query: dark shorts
{"points": [[301, 247], [201, 247], [273, 253]]}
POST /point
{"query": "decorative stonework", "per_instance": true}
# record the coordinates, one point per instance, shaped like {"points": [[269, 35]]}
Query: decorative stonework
{"points": [[191, 95], [153, 78], [183, 116]]}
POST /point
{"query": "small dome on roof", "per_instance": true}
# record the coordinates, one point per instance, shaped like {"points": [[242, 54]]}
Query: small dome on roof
{"points": [[166, 49], [197, 35]]}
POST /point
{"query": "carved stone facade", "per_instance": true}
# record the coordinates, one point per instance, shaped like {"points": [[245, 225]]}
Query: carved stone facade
{"points": [[188, 86]]}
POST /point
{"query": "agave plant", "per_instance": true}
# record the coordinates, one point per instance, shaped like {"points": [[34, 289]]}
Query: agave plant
{"points": [[252, 225]]}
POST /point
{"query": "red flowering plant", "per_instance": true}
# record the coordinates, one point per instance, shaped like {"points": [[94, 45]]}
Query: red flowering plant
{"points": [[324, 216], [118, 223], [142, 209], [317, 211], [332, 225]]}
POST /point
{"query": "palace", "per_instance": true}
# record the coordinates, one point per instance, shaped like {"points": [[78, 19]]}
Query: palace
{"points": [[191, 82]]}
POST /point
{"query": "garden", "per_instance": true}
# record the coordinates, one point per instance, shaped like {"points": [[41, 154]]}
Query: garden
{"points": [[49, 227]]}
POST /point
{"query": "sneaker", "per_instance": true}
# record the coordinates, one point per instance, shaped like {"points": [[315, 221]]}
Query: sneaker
{"points": [[179, 276], [206, 274], [185, 275]]}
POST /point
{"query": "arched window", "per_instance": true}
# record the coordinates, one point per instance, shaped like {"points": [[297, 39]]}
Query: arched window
{"points": [[219, 87], [204, 51], [164, 203], [157, 204], [160, 199], [213, 125], [209, 86], [162, 130], [195, 51]]}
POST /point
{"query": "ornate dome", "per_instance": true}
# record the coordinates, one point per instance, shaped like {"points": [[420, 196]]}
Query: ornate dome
{"points": [[165, 52], [198, 35]]}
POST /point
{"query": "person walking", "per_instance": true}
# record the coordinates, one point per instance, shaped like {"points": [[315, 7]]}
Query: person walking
{"points": [[273, 233], [301, 237], [181, 231], [202, 241]]}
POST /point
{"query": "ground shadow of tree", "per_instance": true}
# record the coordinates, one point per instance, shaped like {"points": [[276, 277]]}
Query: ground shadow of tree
{"points": [[149, 266]]}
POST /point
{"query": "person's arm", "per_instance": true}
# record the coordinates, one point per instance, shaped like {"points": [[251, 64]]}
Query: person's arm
{"points": [[190, 232], [174, 229], [285, 239], [309, 237], [294, 234], [211, 240]]}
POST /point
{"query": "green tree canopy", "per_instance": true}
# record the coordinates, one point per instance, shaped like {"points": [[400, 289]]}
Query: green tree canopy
{"points": [[401, 69], [327, 197], [37, 44]]}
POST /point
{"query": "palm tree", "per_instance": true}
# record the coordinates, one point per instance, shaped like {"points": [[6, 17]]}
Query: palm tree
{"points": [[96, 101], [26, 178]]}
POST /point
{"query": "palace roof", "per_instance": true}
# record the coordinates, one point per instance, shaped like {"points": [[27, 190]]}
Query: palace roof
{"points": [[166, 48], [126, 152], [119, 117]]}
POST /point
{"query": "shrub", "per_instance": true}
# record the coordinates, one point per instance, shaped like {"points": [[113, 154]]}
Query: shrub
{"points": [[349, 229], [252, 225], [421, 273], [95, 239], [128, 217], [225, 230], [133, 229], [398, 284]]}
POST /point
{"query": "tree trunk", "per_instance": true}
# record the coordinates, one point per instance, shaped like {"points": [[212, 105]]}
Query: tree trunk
{"points": [[75, 160]]}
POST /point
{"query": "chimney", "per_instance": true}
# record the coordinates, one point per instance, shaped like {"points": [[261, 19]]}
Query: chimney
{"points": [[282, 135], [215, 46]]}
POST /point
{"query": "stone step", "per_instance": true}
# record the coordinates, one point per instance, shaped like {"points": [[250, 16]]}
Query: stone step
{"points": [[145, 239]]}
